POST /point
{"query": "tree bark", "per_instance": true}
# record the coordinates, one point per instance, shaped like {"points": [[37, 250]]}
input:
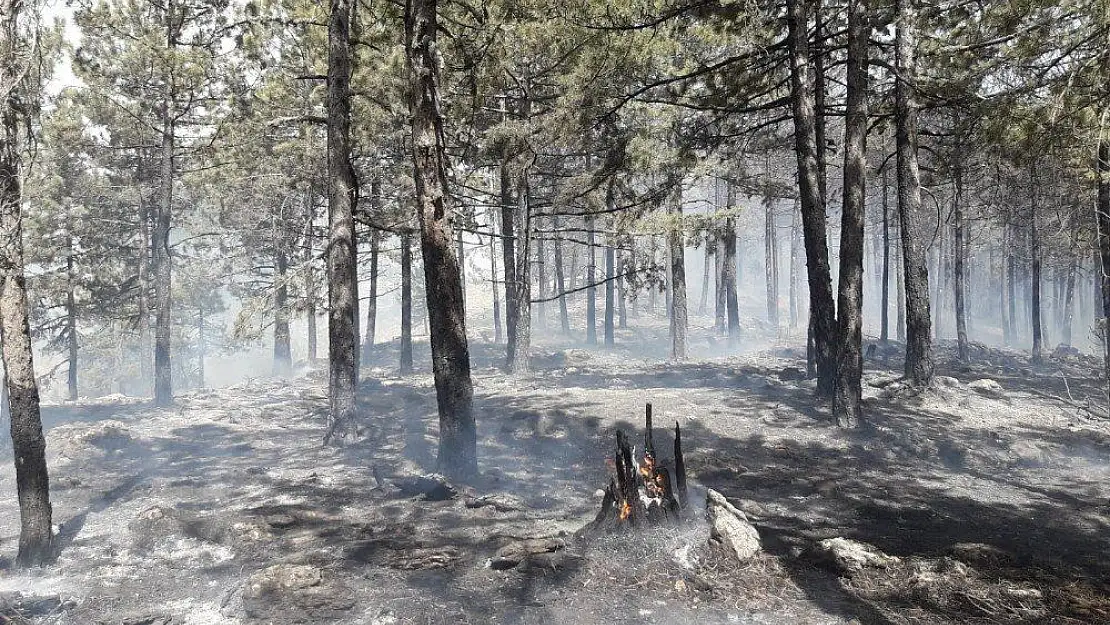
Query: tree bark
{"points": [[371, 331], [919, 342], [622, 295], [163, 299], [36, 538], [283, 354], [405, 365], [885, 332], [560, 280], [591, 280], [822, 308], [794, 234], [1035, 273], [720, 308], [202, 346], [493, 278], [458, 454], [678, 283], [519, 357], [508, 257], [310, 274], [848, 391], [728, 277], [770, 255], [959, 250], [1102, 213], [1069, 287], [1011, 285], [610, 294], [342, 276]]}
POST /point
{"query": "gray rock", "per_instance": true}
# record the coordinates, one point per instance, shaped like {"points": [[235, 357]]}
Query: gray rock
{"points": [[281, 578], [847, 557], [988, 388], [431, 487], [730, 527], [946, 381]]}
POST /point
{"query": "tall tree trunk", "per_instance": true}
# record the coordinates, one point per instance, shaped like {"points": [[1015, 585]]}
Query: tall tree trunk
{"points": [[406, 303], [900, 291], [622, 295], [283, 354], [849, 371], [720, 308], [885, 332], [770, 263], [821, 305], [959, 249], [794, 234], [919, 340], [342, 276], [508, 256], [32, 483], [202, 346], [460, 251], [728, 277], [1035, 273], [371, 331], [1102, 214], [1011, 285], [458, 453], [703, 304], [591, 281], [493, 277], [677, 253], [560, 281], [163, 379], [541, 281], [71, 309], [610, 294], [520, 354], [1069, 287], [310, 274]]}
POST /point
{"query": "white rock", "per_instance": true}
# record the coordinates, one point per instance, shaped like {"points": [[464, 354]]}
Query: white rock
{"points": [[847, 556], [988, 388], [731, 527]]}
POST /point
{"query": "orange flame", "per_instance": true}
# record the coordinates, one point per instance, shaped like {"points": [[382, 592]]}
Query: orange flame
{"points": [[626, 510]]}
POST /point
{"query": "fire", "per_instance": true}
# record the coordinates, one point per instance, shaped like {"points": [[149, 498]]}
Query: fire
{"points": [[626, 510]]}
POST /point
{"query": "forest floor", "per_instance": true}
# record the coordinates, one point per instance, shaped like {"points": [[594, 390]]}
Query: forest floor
{"points": [[227, 509]]}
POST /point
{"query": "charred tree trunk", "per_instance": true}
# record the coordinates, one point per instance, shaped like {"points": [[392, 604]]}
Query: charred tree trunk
{"points": [[283, 354], [371, 331], [591, 281], [770, 255], [732, 302], [622, 295], [519, 356], [919, 341], [493, 278], [560, 280], [885, 332], [849, 370], [163, 299], [703, 304], [1035, 272], [1102, 214], [677, 253], [610, 294], [406, 303], [794, 234], [202, 346], [460, 252], [342, 277], [508, 256], [959, 249], [1069, 287], [36, 538], [310, 274], [541, 281], [720, 312], [900, 292], [821, 305], [458, 454]]}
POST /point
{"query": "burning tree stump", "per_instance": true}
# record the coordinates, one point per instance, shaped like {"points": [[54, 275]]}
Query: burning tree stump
{"points": [[642, 491]]}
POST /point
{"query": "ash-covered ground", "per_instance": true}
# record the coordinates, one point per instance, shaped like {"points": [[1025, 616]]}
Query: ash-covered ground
{"points": [[991, 501]]}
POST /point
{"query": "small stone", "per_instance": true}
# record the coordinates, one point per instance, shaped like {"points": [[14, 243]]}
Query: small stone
{"points": [[282, 578], [731, 527], [848, 557], [945, 381], [680, 586], [988, 388], [543, 550]]}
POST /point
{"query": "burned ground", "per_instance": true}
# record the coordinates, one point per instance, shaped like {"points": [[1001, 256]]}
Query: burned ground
{"points": [[226, 508]]}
